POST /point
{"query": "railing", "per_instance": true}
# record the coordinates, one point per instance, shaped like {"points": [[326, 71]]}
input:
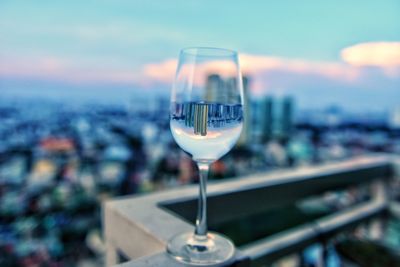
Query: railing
{"points": [[139, 227]]}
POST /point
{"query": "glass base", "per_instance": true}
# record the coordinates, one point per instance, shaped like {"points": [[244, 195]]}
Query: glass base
{"points": [[197, 250]]}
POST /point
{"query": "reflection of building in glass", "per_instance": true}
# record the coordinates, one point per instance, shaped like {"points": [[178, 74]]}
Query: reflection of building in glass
{"points": [[196, 116], [188, 111], [200, 119], [201, 116]]}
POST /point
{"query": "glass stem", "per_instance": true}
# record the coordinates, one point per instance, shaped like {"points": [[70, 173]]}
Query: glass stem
{"points": [[201, 221]]}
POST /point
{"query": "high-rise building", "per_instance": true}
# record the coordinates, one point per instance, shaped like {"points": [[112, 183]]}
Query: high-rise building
{"points": [[214, 87], [394, 118], [286, 118], [246, 135], [266, 117], [276, 118], [225, 91], [231, 94]]}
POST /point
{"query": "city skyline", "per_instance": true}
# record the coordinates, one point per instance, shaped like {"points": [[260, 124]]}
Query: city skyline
{"points": [[337, 52]]}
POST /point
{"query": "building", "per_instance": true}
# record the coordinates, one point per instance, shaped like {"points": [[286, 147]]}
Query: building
{"points": [[214, 87], [246, 135], [394, 118], [266, 116], [224, 90], [276, 118]]}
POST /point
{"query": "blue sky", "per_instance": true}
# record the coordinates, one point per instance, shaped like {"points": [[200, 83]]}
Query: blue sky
{"points": [[82, 44]]}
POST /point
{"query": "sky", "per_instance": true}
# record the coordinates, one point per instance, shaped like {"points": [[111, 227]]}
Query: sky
{"points": [[320, 52]]}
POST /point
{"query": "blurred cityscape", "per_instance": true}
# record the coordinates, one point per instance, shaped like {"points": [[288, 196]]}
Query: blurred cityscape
{"points": [[59, 161]]}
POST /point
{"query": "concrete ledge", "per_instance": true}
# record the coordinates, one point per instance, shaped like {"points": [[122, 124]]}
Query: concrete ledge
{"points": [[163, 260], [140, 226]]}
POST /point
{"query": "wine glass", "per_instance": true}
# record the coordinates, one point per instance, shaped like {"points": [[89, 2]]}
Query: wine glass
{"points": [[206, 121]]}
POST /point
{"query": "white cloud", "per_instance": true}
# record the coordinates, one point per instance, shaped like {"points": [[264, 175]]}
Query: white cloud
{"points": [[380, 54], [264, 71], [258, 65]]}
